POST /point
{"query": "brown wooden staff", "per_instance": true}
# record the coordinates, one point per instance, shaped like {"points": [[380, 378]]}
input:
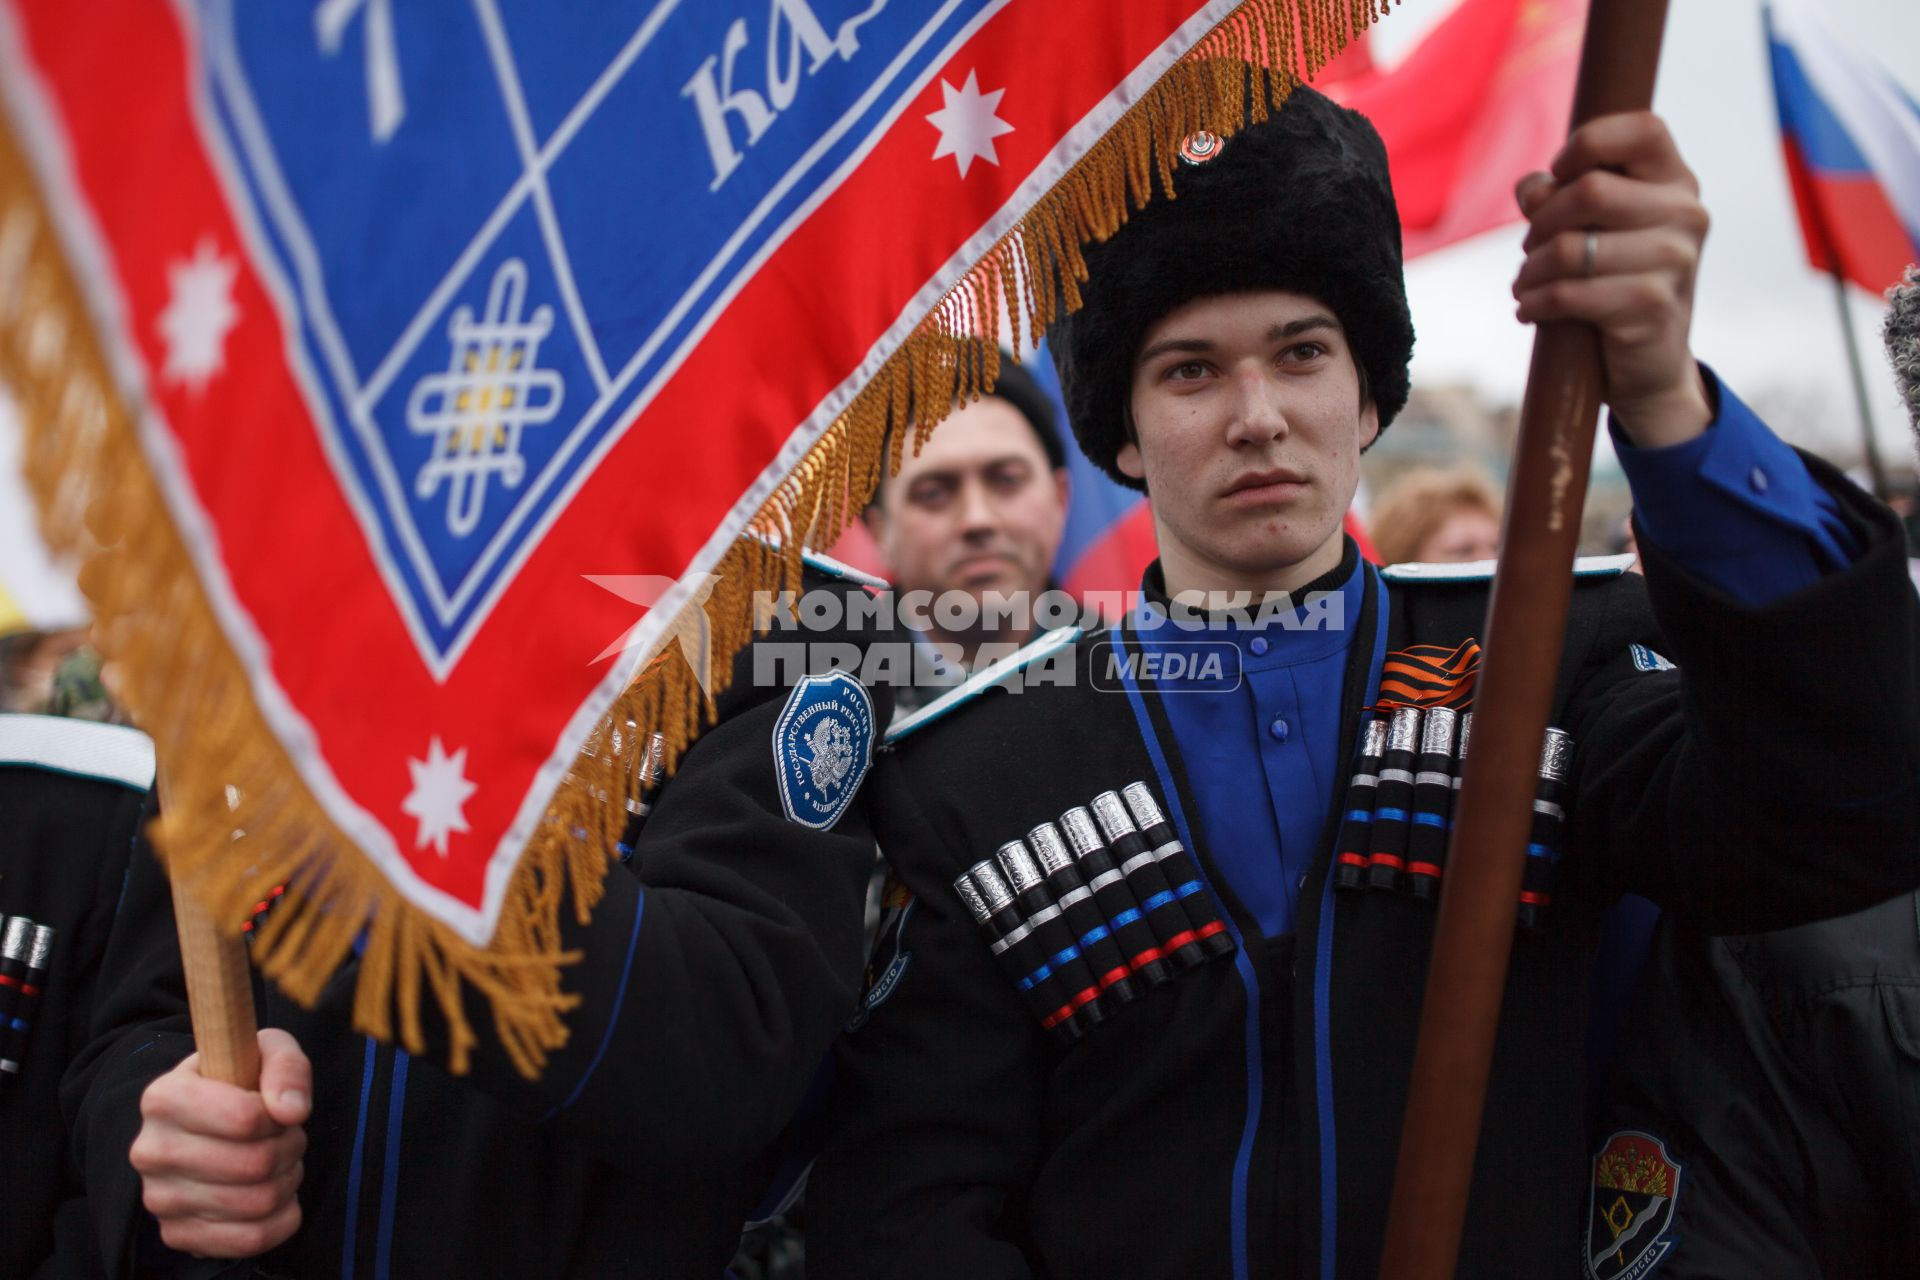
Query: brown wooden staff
{"points": [[219, 991], [1526, 624], [219, 996]]}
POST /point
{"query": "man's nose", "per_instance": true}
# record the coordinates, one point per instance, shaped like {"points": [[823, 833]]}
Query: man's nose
{"points": [[1258, 414], [977, 510]]}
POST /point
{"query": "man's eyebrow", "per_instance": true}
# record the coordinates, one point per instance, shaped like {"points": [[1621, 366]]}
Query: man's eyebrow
{"points": [[1278, 333], [1305, 324], [951, 473], [1192, 346]]}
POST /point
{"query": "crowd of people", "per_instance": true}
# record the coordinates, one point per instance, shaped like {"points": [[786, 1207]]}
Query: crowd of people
{"points": [[1113, 965]]}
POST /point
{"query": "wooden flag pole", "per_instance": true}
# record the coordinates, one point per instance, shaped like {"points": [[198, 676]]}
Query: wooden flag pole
{"points": [[219, 995], [219, 986], [1526, 625]]}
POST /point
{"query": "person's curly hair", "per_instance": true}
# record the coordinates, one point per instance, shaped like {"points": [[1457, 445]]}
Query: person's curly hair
{"points": [[1409, 510], [1902, 333]]}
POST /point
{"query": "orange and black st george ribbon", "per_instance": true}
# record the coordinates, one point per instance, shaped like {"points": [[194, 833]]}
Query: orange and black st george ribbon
{"points": [[1431, 675]]}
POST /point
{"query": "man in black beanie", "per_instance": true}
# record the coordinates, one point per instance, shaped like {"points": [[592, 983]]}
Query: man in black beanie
{"points": [[1153, 1008]]}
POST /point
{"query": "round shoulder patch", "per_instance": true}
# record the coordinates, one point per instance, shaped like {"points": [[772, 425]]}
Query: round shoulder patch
{"points": [[822, 746]]}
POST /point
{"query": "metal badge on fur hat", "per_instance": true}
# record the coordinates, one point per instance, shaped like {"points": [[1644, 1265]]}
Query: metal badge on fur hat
{"points": [[1300, 202], [1201, 147]]}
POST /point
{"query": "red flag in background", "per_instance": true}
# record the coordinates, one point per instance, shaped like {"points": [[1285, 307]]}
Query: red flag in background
{"points": [[1354, 60], [1483, 99]]}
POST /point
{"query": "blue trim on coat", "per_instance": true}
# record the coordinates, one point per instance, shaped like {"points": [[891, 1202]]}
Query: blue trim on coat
{"points": [[355, 1163], [613, 1016], [1322, 972], [1243, 1157], [390, 1166]]}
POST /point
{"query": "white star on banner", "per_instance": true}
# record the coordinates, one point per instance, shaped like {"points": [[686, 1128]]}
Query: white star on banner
{"points": [[967, 123], [200, 311], [440, 788]]}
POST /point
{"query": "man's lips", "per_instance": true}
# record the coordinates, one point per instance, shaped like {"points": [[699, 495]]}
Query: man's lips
{"points": [[1265, 486]]}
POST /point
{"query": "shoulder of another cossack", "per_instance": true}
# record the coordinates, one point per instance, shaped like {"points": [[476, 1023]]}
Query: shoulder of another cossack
{"points": [[821, 565], [1007, 671], [78, 748], [818, 569], [1417, 573]]}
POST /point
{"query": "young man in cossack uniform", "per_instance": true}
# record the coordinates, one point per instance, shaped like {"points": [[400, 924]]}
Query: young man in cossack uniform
{"points": [[1154, 1005]]}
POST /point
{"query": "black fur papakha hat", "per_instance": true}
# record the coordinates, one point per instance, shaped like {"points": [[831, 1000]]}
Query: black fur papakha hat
{"points": [[1300, 202]]}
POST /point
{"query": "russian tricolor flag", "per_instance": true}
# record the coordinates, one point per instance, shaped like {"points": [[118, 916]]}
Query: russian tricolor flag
{"points": [[1851, 136]]}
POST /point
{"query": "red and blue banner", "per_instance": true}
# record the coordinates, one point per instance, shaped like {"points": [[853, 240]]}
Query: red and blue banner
{"points": [[1851, 137], [458, 342]]}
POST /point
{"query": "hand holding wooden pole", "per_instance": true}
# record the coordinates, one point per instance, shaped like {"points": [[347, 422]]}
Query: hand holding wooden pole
{"points": [[1466, 979]]}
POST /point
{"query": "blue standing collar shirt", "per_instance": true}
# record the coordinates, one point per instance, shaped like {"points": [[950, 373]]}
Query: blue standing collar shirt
{"points": [[1260, 741]]}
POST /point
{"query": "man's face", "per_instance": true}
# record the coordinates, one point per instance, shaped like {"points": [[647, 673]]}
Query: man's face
{"points": [[1248, 428], [977, 510]]}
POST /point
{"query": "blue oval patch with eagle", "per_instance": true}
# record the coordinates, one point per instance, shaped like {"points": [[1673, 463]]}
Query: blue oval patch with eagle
{"points": [[822, 746]]}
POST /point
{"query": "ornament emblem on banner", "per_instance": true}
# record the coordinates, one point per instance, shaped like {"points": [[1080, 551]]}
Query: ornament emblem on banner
{"points": [[490, 393]]}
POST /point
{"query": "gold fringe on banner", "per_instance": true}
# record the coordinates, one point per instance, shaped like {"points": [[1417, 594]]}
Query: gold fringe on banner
{"points": [[237, 820]]}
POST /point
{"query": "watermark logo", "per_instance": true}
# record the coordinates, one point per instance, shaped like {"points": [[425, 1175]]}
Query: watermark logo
{"points": [[924, 640], [1175, 666]]}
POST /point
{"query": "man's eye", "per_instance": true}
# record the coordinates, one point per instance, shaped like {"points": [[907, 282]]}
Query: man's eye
{"points": [[1302, 352], [929, 495], [1187, 371], [1008, 479]]}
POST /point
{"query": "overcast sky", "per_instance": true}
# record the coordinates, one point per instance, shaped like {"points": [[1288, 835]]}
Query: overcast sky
{"points": [[1764, 319]]}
